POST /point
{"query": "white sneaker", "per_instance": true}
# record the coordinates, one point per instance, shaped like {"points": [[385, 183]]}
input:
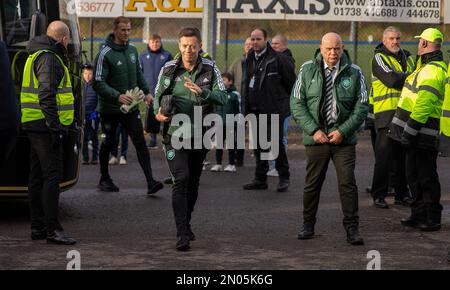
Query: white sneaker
{"points": [[230, 168], [272, 172], [217, 168], [123, 160], [113, 161]]}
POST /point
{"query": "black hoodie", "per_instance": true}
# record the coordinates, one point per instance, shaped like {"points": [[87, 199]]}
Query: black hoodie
{"points": [[49, 72]]}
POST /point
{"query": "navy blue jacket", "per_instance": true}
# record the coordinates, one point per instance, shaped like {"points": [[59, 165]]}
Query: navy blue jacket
{"points": [[9, 109], [151, 63], [90, 98]]}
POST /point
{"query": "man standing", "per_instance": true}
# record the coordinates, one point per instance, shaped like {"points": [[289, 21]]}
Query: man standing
{"points": [[416, 126], [47, 105], [236, 70], [390, 67], [237, 66], [280, 44], [329, 102], [9, 114], [189, 81], [116, 71], [444, 144], [152, 61], [268, 81]]}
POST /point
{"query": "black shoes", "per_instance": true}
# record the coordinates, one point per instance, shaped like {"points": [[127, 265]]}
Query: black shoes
{"points": [[423, 226], [380, 203], [60, 238], [168, 180], [107, 185], [183, 243], [307, 232], [411, 223], [256, 185], [38, 234], [283, 185], [353, 237], [430, 227], [406, 201], [154, 187]]}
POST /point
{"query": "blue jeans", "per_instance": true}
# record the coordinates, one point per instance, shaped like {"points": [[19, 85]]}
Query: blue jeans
{"points": [[284, 140]]}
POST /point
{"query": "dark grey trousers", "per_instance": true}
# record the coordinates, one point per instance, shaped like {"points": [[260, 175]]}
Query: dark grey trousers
{"points": [[318, 158]]}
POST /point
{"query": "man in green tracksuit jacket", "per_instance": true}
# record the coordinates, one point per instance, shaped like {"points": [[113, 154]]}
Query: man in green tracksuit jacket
{"points": [[193, 82], [329, 102], [117, 70]]}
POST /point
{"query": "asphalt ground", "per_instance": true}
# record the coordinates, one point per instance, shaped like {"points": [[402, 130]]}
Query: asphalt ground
{"points": [[235, 229]]}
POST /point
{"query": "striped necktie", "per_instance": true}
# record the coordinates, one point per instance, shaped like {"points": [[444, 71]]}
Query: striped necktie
{"points": [[328, 106]]}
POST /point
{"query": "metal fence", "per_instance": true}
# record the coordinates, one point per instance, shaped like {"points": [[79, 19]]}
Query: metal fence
{"points": [[304, 37]]}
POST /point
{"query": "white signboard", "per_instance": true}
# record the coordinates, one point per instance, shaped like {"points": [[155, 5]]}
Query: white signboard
{"points": [[413, 11], [98, 8], [447, 12]]}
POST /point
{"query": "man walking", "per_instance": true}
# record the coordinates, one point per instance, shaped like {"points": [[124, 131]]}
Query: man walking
{"points": [[416, 126], [185, 83], [268, 81], [116, 71], [47, 105], [390, 67], [329, 102]]}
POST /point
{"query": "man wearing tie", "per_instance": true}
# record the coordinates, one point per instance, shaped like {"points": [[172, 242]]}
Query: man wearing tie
{"points": [[329, 102]]}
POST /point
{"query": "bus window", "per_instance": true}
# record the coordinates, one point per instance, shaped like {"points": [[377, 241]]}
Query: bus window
{"points": [[16, 19]]}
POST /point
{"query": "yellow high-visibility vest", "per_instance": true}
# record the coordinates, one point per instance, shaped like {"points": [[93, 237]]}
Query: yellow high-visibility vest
{"points": [[385, 98], [421, 101], [29, 95], [444, 142]]}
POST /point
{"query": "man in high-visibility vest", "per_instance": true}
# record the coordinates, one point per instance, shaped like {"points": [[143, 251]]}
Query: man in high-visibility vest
{"points": [[47, 106], [416, 126], [444, 142], [390, 67]]}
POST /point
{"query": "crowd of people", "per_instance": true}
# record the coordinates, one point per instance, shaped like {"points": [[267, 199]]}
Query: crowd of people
{"points": [[407, 110]]}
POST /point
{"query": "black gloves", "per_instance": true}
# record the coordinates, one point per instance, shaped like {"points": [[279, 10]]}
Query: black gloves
{"points": [[167, 107], [57, 138]]}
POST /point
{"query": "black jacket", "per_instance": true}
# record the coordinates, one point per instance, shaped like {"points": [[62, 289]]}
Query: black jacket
{"points": [[49, 73], [9, 109], [277, 77]]}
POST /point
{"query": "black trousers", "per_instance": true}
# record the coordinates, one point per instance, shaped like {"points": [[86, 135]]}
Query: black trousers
{"points": [[318, 158], [281, 164], [186, 168], [90, 133], [133, 124], [43, 185], [423, 181], [7, 143], [389, 156]]}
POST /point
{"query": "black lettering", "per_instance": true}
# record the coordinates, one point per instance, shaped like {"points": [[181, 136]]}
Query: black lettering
{"points": [[301, 7], [286, 9], [254, 3], [223, 7], [325, 10]]}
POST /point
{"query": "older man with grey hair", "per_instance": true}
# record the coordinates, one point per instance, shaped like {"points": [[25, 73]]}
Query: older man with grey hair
{"points": [[329, 102]]}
